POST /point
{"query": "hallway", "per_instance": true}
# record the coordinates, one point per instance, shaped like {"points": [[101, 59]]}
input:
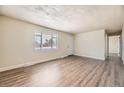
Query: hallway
{"points": [[116, 68]]}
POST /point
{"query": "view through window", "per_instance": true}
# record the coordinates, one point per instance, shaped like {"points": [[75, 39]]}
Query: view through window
{"points": [[45, 41]]}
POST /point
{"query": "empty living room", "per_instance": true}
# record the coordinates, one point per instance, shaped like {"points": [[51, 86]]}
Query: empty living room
{"points": [[61, 46]]}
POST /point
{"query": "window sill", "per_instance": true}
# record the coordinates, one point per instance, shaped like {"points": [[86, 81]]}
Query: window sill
{"points": [[46, 49]]}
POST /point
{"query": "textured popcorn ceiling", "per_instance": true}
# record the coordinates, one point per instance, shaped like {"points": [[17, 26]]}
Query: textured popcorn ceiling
{"points": [[73, 19]]}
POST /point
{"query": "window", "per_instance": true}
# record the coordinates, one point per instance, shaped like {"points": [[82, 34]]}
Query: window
{"points": [[38, 41], [54, 41], [45, 41]]}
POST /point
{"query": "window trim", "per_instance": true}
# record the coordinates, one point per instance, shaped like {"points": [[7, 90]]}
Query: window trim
{"points": [[41, 45]]}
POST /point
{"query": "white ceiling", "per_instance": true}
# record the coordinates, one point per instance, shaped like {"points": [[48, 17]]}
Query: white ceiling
{"points": [[72, 19]]}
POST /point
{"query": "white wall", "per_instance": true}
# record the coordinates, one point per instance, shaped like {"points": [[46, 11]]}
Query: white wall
{"points": [[17, 44], [91, 44], [70, 44], [114, 44]]}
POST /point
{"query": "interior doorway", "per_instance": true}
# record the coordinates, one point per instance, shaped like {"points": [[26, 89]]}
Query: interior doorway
{"points": [[114, 45]]}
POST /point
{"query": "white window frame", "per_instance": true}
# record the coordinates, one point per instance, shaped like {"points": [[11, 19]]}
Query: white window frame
{"points": [[41, 45]]}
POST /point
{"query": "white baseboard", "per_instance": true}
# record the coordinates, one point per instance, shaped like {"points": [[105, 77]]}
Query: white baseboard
{"points": [[90, 57], [11, 67], [28, 64]]}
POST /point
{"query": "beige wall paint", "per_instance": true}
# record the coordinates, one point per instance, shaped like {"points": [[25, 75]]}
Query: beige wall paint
{"points": [[106, 45], [123, 44], [91, 44], [17, 40], [1, 46]]}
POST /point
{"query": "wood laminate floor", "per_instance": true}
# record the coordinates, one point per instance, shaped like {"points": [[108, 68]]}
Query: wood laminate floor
{"points": [[69, 71]]}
